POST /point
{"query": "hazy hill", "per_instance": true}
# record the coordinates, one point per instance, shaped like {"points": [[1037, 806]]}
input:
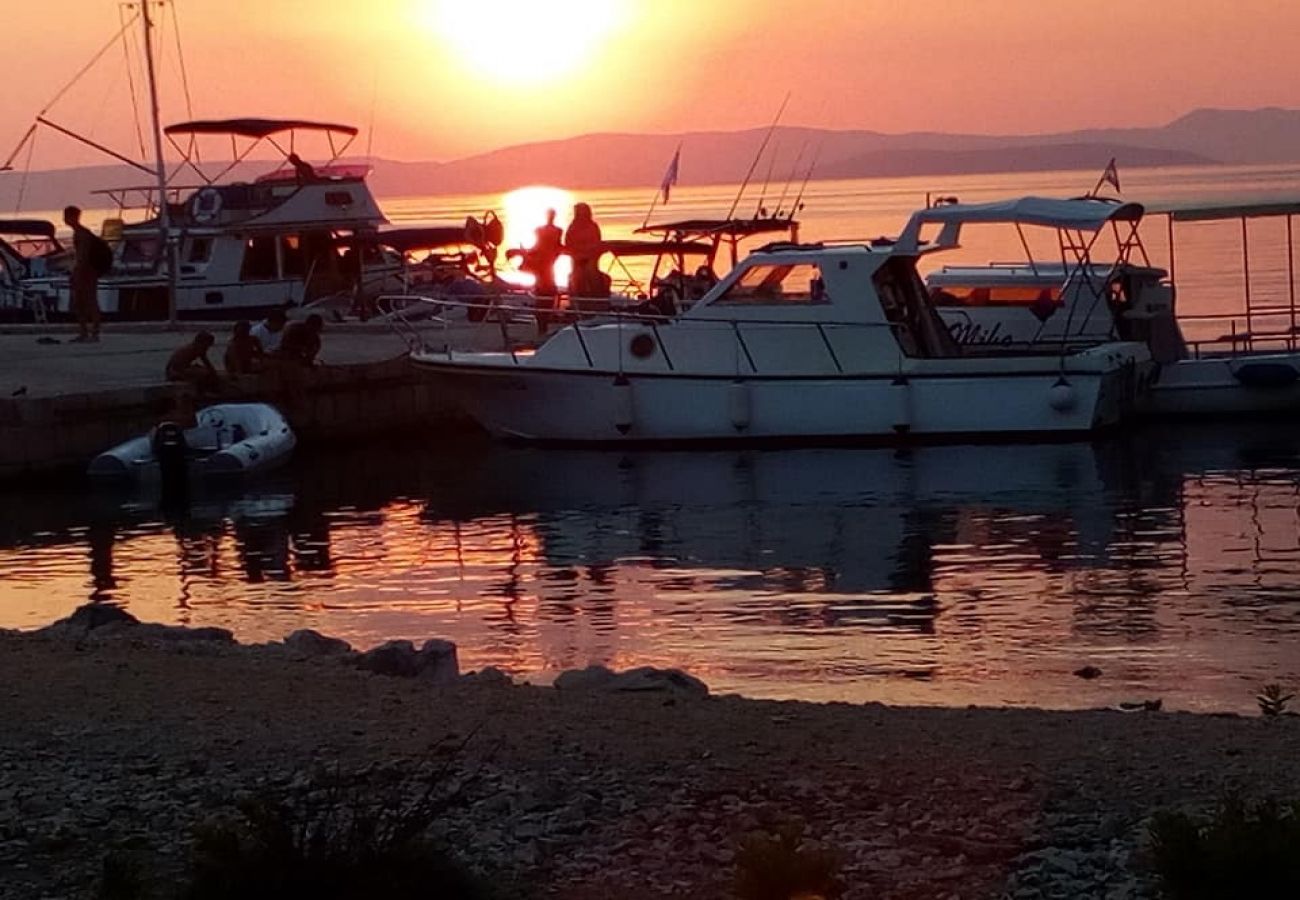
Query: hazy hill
{"points": [[1204, 136]]}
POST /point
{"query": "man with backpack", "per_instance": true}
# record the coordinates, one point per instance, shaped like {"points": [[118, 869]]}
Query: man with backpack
{"points": [[91, 258]]}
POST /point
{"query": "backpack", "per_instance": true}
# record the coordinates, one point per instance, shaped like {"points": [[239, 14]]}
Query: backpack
{"points": [[101, 255]]}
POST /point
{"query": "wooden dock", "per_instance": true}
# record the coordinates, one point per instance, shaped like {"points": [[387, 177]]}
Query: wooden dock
{"points": [[61, 402]]}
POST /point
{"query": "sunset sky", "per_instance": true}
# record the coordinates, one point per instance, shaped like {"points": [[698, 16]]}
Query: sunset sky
{"points": [[442, 79]]}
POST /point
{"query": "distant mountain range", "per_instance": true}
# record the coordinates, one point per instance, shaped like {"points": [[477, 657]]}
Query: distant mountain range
{"points": [[1203, 137]]}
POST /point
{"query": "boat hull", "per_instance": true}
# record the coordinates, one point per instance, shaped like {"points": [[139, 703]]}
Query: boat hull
{"points": [[1243, 385], [232, 439], [528, 403]]}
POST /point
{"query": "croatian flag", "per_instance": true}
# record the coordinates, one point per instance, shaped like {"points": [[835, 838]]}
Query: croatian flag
{"points": [[1111, 175], [670, 177]]}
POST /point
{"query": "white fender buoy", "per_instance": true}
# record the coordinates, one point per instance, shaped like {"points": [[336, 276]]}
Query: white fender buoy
{"points": [[740, 404], [624, 412], [1062, 397], [903, 409]]}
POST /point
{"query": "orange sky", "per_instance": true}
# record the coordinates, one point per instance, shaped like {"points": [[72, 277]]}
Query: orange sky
{"points": [[448, 79]]}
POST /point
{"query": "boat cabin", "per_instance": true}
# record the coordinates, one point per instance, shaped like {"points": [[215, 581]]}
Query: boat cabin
{"points": [[1102, 288], [241, 247]]}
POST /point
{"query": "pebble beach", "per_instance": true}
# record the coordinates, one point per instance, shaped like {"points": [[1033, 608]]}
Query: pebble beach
{"points": [[133, 735]]}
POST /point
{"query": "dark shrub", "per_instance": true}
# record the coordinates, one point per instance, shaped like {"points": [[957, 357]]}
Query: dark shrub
{"points": [[781, 866], [1241, 850], [340, 837]]}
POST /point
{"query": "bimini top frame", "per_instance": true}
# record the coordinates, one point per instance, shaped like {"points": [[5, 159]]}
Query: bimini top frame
{"points": [[256, 131]]}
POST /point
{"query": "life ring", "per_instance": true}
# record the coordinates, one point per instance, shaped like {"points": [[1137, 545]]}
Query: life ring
{"points": [[205, 206]]}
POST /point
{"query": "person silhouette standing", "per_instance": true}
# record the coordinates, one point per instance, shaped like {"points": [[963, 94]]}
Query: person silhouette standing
{"points": [[547, 247], [84, 280], [583, 242]]}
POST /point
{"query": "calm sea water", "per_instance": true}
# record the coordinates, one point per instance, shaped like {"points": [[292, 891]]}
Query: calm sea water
{"points": [[1169, 558]]}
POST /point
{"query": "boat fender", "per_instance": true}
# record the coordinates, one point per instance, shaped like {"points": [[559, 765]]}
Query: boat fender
{"points": [[740, 404], [1061, 396], [624, 413], [1266, 374], [206, 205], [904, 412]]}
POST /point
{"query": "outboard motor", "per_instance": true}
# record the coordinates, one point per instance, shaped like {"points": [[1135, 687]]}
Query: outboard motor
{"points": [[170, 449]]}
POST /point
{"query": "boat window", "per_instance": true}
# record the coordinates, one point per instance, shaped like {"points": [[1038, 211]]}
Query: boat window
{"points": [[291, 251], [994, 295], [259, 259], [200, 250], [137, 250], [768, 285]]}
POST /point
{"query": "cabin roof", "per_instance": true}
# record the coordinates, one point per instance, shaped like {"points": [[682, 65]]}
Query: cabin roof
{"points": [[1083, 213], [256, 128], [405, 240], [656, 248], [711, 227], [28, 227], [1207, 212]]}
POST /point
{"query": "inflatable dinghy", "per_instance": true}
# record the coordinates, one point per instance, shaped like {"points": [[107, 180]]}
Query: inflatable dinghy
{"points": [[229, 439]]}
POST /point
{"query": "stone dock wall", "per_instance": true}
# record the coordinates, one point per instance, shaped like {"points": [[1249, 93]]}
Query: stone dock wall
{"points": [[337, 402]]}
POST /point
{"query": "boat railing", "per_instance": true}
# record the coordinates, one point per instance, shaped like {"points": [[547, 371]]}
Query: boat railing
{"points": [[746, 361], [1243, 341]]}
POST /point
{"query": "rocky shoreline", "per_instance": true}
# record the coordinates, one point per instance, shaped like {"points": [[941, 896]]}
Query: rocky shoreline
{"points": [[631, 785]]}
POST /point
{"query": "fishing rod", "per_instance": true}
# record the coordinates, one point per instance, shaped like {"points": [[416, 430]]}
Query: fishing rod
{"points": [[762, 195], [798, 201], [761, 147], [794, 173]]}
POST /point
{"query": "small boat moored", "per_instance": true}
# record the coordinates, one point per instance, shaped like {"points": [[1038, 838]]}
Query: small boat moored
{"points": [[230, 439], [1107, 290]]}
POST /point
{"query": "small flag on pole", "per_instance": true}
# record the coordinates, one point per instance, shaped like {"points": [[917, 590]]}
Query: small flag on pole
{"points": [[670, 176], [1111, 176]]}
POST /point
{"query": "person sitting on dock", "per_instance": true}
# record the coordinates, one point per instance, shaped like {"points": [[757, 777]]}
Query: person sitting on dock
{"points": [[270, 330], [244, 352], [301, 342], [190, 363]]}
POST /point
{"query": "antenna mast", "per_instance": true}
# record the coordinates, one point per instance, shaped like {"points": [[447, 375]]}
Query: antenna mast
{"points": [[164, 218]]}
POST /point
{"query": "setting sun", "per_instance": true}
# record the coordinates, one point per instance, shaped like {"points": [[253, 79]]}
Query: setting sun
{"points": [[522, 210], [523, 43]]}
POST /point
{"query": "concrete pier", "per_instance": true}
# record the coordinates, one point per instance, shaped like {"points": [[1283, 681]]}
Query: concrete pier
{"points": [[61, 403]]}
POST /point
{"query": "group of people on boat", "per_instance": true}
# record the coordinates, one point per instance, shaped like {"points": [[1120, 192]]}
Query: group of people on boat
{"points": [[581, 242]]}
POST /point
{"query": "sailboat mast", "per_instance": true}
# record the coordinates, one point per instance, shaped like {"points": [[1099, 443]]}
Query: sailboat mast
{"points": [[164, 218]]}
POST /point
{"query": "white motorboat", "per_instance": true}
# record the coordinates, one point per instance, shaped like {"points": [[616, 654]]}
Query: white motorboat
{"points": [[1099, 293], [241, 249], [798, 342], [228, 439]]}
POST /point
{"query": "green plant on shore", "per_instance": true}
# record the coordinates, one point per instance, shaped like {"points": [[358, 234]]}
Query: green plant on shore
{"points": [[1240, 850], [781, 865], [121, 877], [339, 837], [1273, 700]]}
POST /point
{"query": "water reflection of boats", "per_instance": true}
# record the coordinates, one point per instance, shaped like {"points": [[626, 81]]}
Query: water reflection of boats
{"points": [[834, 521]]}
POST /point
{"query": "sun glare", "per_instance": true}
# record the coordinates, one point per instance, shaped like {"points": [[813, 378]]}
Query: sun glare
{"points": [[523, 210], [524, 43]]}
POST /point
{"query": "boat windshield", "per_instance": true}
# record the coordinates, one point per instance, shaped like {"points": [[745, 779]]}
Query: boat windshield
{"points": [[776, 285], [995, 295]]}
